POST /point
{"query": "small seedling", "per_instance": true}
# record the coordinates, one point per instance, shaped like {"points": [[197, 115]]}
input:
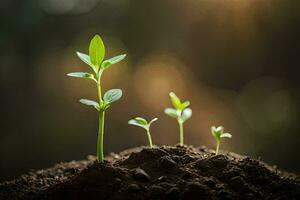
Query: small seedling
{"points": [[218, 133], [181, 112], [141, 122], [96, 61]]}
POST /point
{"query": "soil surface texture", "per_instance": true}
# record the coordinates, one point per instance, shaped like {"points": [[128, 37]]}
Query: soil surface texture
{"points": [[167, 172]]}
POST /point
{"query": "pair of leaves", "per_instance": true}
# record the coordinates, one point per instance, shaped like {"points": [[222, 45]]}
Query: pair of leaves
{"points": [[177, 103], [141, 122], [180, 111], [95, 59], [178, 114], [96, 55], [109, 97], [104, 65], [218, 133]]}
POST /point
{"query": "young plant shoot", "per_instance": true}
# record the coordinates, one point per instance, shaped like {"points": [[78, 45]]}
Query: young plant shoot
{"points": [[181, 112], [141, 122], [218, 133], [95, 60]]}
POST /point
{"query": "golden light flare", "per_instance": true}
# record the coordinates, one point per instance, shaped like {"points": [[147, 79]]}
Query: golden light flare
{"points": [[155, 77], [232, 20]]}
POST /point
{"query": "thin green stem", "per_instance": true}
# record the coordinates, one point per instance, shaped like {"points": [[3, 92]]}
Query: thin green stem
{"points": [[149, 138], [99, 87], [181, 133], [217, 148], [100, 154]]}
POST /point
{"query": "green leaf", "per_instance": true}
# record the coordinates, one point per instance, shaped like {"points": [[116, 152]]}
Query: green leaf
{"points": [[82, 75], [85, 58], [136, 122], [213, 131], [226, 135], [112, 95], [141, 120], [185, 104], [186, 114], [96, 51], [89, 103], [107, 63], [153, 120], [217, 131], [172, 112], [220, 129], [175, 101]]}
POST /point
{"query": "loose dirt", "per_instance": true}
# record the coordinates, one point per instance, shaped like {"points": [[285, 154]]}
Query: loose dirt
{"points": [[167, 172]]}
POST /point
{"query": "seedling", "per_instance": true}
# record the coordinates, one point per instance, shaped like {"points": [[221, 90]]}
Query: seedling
{"points": [[96, 61], [181, 112], [141, 122], [218, 133]]}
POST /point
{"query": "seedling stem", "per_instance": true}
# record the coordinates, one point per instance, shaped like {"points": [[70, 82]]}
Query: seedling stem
{"points": [[217, 148], [149, 138], [181, 133]]}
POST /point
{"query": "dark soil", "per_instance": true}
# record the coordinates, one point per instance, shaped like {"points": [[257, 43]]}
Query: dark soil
{"points": [[159, 173]]}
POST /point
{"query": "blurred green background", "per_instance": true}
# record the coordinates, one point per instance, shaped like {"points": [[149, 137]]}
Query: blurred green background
{"points": [[236, 60]]}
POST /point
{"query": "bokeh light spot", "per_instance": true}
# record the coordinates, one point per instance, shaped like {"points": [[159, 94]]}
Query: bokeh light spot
{"points": [[156, 77]]}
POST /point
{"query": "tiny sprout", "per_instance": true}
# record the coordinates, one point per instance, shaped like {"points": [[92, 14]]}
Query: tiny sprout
{"points": [[181, 112], [218, 133], [95, 60], [141, 122]]}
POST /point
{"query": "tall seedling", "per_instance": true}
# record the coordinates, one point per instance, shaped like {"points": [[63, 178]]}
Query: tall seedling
{"points": [[96, 61]]}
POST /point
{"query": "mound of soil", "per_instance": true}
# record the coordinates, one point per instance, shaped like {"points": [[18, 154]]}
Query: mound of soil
{"points": [[159, 173]]}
